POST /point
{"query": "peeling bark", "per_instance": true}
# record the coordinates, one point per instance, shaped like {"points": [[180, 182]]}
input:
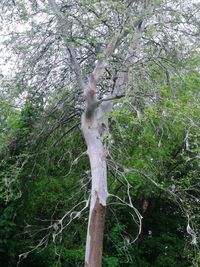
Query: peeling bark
{"points": [[96, 231], [94, 134]]}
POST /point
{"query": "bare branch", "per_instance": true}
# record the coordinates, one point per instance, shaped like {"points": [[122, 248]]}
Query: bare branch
{"points": [[63, 24]]}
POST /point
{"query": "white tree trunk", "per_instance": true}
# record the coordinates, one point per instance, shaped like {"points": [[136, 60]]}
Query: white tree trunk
{"points": [[93, 131]]}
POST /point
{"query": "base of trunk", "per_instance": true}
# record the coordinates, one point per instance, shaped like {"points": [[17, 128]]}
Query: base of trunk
{"points": [[96, 231]]}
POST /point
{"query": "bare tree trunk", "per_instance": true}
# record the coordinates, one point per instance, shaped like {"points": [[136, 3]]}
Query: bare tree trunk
{"points": [[93, 132]]}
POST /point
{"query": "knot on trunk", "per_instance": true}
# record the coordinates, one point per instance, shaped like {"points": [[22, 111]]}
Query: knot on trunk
{"points": [[91, 104]]}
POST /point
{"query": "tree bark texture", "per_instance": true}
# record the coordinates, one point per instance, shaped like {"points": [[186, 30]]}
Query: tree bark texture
{"points": [[93, 127]]}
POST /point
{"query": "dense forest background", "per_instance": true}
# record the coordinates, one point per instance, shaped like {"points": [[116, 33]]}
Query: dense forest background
{"points": [[45, 177]]}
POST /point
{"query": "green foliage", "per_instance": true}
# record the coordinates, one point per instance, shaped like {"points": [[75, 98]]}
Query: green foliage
{"points": [[163, 143], [7, 229]]}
